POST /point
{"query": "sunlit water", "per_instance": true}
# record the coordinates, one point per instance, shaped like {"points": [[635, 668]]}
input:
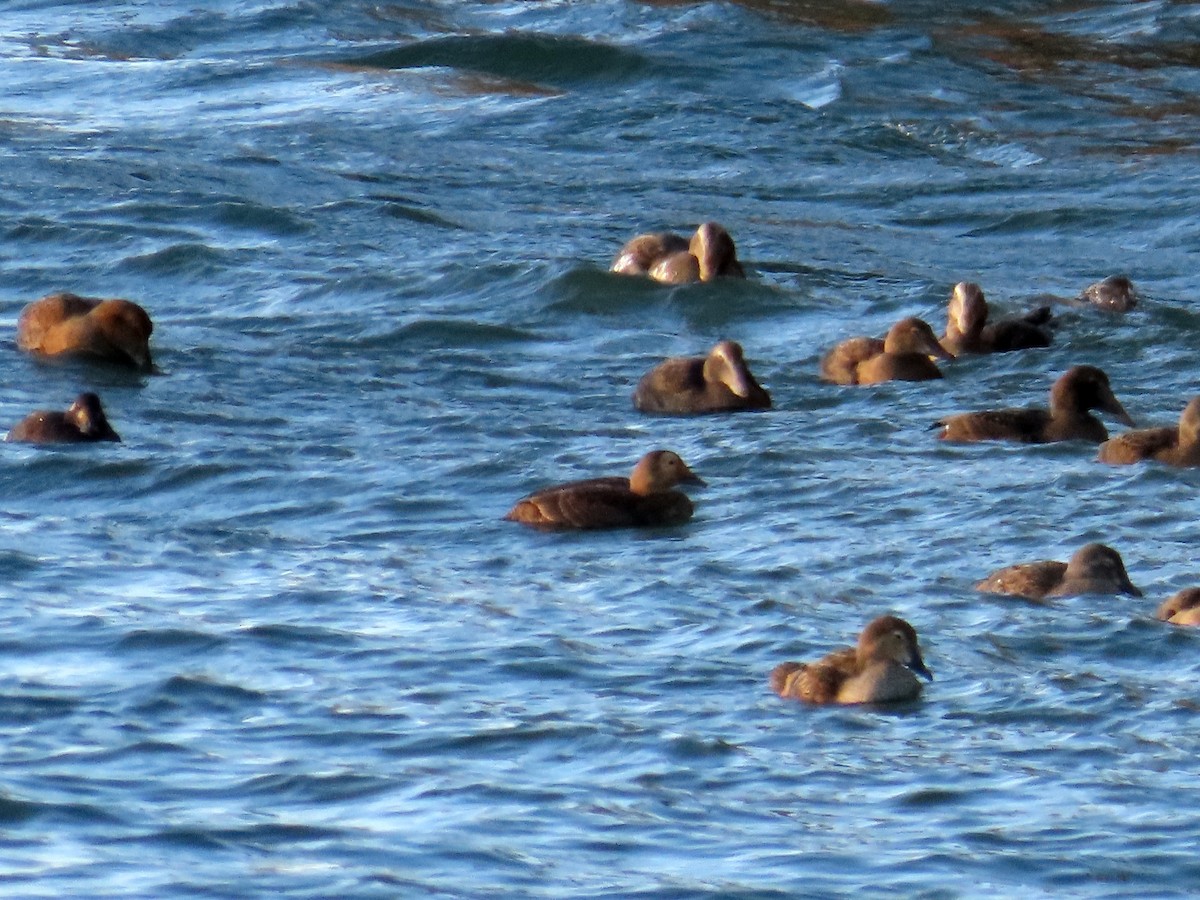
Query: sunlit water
{"points": [[279, 642]]}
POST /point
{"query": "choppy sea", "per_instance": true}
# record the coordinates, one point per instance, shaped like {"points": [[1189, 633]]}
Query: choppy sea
{"points": [[279, 642]]}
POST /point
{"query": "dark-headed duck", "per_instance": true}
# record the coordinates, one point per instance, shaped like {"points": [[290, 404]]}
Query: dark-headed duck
{"points": [[83, 421], [968, 330], [1093, 569], [879, 670], [1178, 445], [644, 498], [1115, 293], [903, 355], [1182, 608], [1078, 390], [113, 330], [719, 382], [672, 259]]}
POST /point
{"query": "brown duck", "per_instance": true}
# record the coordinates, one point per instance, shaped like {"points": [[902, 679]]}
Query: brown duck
{"points": [[83, 421], [644, 498], [719, 382], [1094, 569], [1178, 445], [968, 330], [903, 355], [879, 670], [1115, 293], [1078, 390], [672, 259], [113, 330], [1182, 608]]}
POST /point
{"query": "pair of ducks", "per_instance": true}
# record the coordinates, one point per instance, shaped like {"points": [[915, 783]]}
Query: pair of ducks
{"points": [[1092, 569], [907, 352], [672, 259], [115, 330], [884, 666], [1078, 391]]}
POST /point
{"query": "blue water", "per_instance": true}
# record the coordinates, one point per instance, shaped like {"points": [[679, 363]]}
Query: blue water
{"points": [[279, 642]]}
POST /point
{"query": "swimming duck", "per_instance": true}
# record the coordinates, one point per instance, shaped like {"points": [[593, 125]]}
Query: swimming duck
{"points": [[113, 330], [879, 670], [644, 498], [83, 421], [1093, 569], [719, 382], [1115, 293], [903, 355], [1182, 608], [672, 259], [1178, 445], [1079, 389], [968, 331]]}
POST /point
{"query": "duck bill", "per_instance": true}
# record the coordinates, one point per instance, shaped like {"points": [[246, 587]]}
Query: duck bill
{"points": [[739, 382], [918, 665], [1113, 405], [936, 351], [1132, 589], [692, 478]]}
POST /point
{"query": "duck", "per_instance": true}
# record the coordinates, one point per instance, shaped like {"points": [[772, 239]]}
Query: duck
{"points": [[880, 669], [1092, 569], [968, 331], [114, 330], [1181, 608], [718, 382], [903, 355], [1078, 390], [1177, 445], [672, 259], [1115, 293], [84, 421], [645, 498]]}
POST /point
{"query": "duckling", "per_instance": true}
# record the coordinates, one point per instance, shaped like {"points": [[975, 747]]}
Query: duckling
{"points": [[968, 331], [1177, 445], [1078, 390], [672, 259], [1093, 569], [719, 382], [644, 498], [879, 670], [903, 355], [83, 421], [113, 330], [1182, 608], [1115, 293]]}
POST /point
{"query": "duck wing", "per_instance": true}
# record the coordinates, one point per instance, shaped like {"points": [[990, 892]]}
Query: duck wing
{"points": [[1135, 446], [1025, 425], [1033, 580]]}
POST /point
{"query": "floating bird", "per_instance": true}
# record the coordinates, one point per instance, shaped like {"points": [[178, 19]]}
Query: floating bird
{"points": [[903, 355], [968, 331], [1178, 445], [644, 498], [1093, 569], [113, 330], [719, 382], [1078, 390], [672, 259], [1182, 608], [83, 421], [1115, 293], [879, 670]]}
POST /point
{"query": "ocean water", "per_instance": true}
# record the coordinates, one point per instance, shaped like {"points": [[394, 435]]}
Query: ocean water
{"points": [[279, 642]]}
